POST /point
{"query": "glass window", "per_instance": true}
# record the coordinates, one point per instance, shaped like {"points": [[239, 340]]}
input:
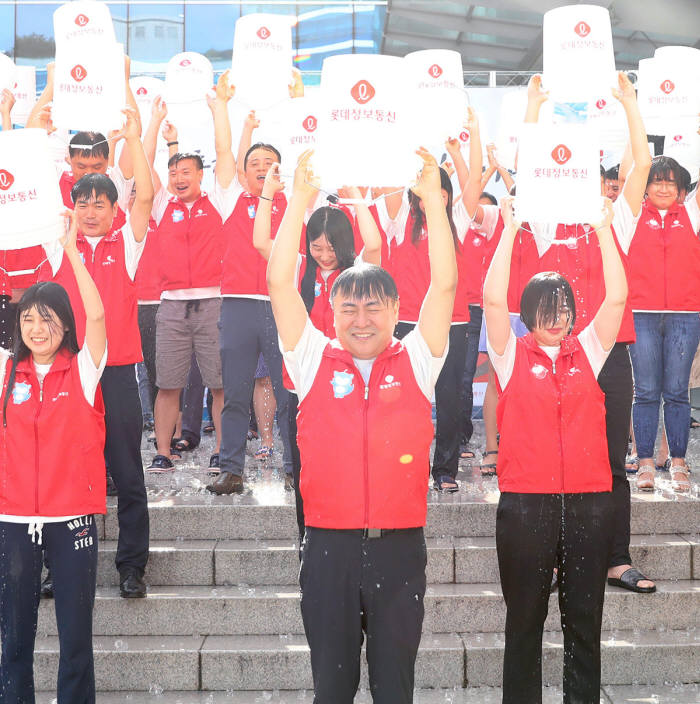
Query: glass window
{"points": [[209, 31], [369, 28], [322, 31], [161, 35], [34, 44], [7, 30]]}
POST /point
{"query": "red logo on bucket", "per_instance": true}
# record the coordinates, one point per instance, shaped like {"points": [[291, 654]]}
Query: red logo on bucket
{"points": [[263, 32], [678, 138], [185, 62], [464, 136], [582, 29], [561, 154], [309, 123], [362, 92], [667, 86], [141, 91], [600, 104], [78, 72], [6, 179], [435, 71], [81, 20]]}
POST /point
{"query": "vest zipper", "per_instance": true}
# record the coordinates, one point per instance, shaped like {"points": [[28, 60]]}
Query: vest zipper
{"points": [[365, 453], [36, 452], [189, 258], [561, 442]]}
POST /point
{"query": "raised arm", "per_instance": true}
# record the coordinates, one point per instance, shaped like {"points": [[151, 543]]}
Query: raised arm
{"points": [[126, 165], [141, 209], [225, 168], [455, 151], [262, 241], [159, 111], [287, 305], [497, 166], [251, 123], [95, 330], [34, 119], [609, 316], [6, 104], [296, 87], [496, 282], [472, 193], [372, 251], [436, 312], [636, 177]]}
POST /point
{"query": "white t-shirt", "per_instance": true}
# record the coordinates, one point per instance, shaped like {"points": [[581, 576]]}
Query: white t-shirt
{"points": [[304, 360], [89, 379], [503, 364]]}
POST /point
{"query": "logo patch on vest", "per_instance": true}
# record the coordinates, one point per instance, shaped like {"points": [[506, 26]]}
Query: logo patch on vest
{"points": [[342, 383], [21, 392], [178, 215], [538, 371], [251, 211], [389, 382], [317, 289]]}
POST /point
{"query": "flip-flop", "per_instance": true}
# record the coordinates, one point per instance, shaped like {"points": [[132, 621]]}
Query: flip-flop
{"points": [[466, 454], [447, 484], [629, 579], [490, 467]]}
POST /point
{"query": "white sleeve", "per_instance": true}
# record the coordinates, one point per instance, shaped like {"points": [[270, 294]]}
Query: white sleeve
{"points": [[544, 234], [304, 360], [426, 368], [396, 229], [124, 187], [503, 364], [461, 218], [693, 210], [593, 348], [89, 373], [160, 203], [624, 223], [4, 356], [132, 249], [54, 255], [224, 199], [488, 222]]}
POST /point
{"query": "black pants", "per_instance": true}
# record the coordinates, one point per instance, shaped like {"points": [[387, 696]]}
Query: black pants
{"points": [[448, 396], [123, 422], [147, 328], [615, 379], [472, 357], [71, 552], [534, 534], [351, 584], [296, 463]]}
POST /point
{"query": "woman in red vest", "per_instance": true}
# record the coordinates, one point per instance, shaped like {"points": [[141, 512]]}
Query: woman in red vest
{"points": [[52, 481], [664, 263], [555, 508]]}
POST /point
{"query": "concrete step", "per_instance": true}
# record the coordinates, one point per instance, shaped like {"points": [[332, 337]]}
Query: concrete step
{"points": [[464, 560], [464, 514], [613, 694], [271, 610], [233, 663]]}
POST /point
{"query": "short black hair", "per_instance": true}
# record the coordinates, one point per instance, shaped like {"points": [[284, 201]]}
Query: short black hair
{"points": [[98, 145], [175, 159], [544, 298], [664, 166], [602, 172], [489, 197], [92, 186], [366, 281], [613, 173], [266, 147]]}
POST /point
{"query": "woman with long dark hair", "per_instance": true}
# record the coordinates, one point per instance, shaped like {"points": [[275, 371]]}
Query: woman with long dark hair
{"points": [[52, 480]]}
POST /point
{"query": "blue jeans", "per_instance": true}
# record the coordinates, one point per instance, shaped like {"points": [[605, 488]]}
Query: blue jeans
{"points": [[661, 360]]}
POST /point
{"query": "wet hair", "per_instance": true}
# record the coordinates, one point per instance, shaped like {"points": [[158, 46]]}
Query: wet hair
{"points": [[489, 197], [685, 181], [92, 186], [364, 281], [665, 168], [544, 298], [267, 148], [613, 173], [336, 226], [99, 146], [175, 159], [47, 297], [602, 172], [419, 215]]}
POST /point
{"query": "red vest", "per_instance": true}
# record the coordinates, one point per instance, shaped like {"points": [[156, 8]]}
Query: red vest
{"points": [[665, 261], [12, 260], [190, 245], [244, 270], [365, 451], [53, 445], [410, 267], [552, 424], [148, 286], [118, 292], [66, 183]]}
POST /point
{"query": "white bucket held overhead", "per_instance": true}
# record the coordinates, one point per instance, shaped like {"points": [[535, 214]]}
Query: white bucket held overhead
{"points": [[682, 142], [30, 199], [25, 94], [558, 175], [294, 129], [146, 89], [188, 78], [578, 57], [511, 116], [261, 64], [89, 88], [365, 134], [84, 21]]}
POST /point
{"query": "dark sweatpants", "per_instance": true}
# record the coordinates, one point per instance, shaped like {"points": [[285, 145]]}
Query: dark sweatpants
{"points": [[448, 400], [71, 553], [534, 534], [296, 464], [615, 379], [247, 329], [472, 357], [123, 423], [350, 584]]}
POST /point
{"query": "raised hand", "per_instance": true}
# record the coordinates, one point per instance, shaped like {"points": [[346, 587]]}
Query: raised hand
{"points": [[625, 90], [535, 94], [428, 179], [273, 183], [305, 181]]}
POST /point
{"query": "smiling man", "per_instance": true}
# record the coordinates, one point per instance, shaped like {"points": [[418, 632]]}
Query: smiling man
{"points": [[364, 433]]}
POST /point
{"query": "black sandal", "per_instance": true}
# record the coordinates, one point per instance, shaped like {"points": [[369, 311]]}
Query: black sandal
{"points": [[490, 467], [629, 579]]}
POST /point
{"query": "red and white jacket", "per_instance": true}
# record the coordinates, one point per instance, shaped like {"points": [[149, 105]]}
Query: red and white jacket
{"points": [[53, 446], [18, 268]]}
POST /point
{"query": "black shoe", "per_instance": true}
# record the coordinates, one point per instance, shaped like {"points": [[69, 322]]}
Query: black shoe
{"points": [[288, 482], [132, 586], [160, 464], [46, 591], [226, 483], [111, 486], [214, 465]]}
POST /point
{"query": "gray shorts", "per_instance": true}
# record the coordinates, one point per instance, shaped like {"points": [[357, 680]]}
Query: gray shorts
{"points": [[183, 327]]}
